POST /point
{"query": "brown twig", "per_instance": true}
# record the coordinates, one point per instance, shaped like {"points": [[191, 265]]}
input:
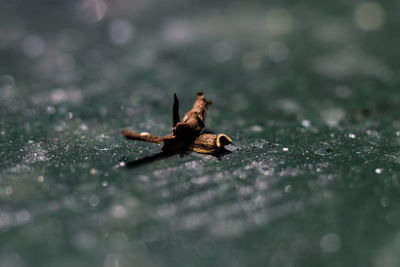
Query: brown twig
{"points": [[186, 133], [143, 137], [193, 121]]}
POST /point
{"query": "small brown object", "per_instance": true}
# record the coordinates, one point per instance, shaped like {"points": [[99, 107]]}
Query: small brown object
{"points": [[210, 143], [186, 133]]}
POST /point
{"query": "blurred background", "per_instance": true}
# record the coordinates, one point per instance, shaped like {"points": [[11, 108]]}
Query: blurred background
{"points": [[308, 91]]}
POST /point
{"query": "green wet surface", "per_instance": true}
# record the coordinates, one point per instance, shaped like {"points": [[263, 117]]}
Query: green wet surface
{"points": [[307, 90]]}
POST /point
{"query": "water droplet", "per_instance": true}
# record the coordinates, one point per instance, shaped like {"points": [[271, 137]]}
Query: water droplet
{"points": [[120, 31], [352, 136], [330, 243], [84, 240], [22, 217], [33, 45], [177, 32], [288, 189], [369, 16], [385, 201], [118, 211], [83, 127], [9, 190], [50, 110], [306, 123], [332, 116], [92, 11], [256, 128]]}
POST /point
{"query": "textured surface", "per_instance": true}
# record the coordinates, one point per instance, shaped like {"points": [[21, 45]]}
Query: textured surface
{"points": [[308, 91]]}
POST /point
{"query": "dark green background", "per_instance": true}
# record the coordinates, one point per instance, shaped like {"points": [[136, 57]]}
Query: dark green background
{"points": [[307, 94]]}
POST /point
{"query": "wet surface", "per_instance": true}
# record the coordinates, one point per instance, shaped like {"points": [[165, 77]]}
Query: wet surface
{"points": [[307, 91]]}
